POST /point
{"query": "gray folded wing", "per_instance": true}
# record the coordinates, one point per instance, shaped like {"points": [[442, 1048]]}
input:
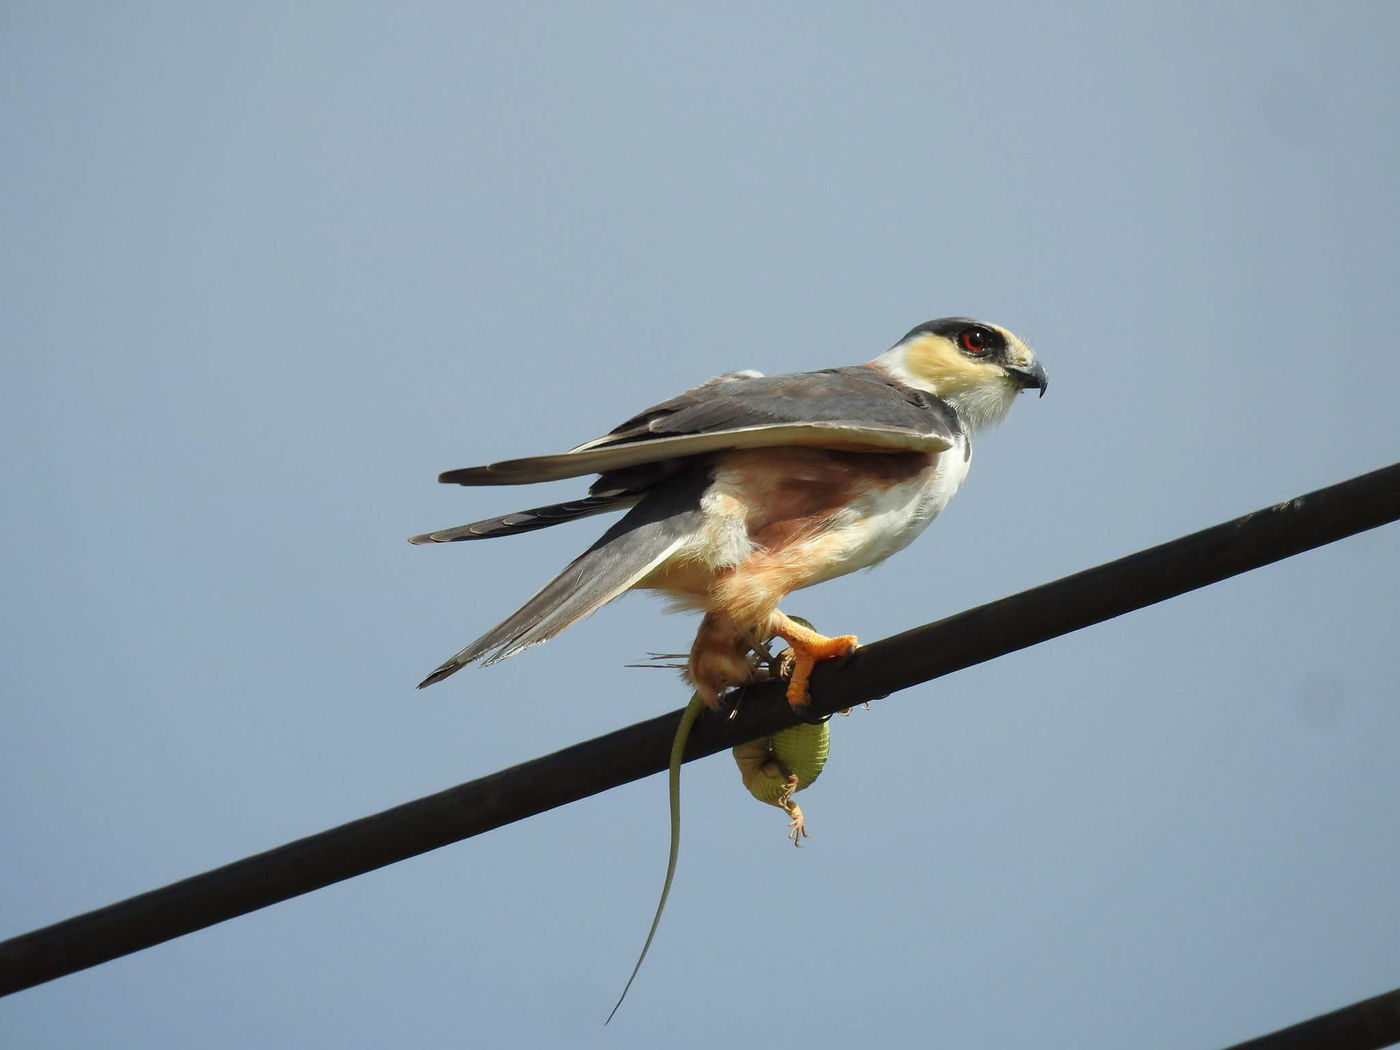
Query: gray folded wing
{"points": [[856, 408]]}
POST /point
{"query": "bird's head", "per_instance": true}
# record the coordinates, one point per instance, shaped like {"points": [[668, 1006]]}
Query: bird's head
{"points": [[978, 368]]}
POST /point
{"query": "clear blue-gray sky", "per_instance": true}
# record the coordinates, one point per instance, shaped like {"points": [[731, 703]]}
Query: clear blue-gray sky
{"points": [[265, 272]]}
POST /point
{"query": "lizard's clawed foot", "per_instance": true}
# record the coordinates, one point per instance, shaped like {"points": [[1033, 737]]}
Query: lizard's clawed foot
{"points": [[797, 823]]}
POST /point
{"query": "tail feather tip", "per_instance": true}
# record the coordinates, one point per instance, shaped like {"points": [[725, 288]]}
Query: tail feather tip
{"points": [[447, 670]]}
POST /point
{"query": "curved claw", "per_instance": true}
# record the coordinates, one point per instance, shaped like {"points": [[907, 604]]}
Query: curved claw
{"points": [[726, 704]]}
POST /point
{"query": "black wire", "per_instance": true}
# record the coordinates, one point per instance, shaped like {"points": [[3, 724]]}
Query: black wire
{"points": [[629, 754], [1368, 1025]]}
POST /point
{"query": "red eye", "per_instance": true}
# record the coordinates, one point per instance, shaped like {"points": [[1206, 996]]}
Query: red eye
{"points": [[973, 340]]}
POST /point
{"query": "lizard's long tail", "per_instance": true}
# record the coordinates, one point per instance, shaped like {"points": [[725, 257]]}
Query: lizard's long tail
{"points": [[692, 712]]}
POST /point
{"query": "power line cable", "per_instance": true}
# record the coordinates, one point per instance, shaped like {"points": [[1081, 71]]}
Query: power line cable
{"points": [[1371, 1024], [875, 671]]}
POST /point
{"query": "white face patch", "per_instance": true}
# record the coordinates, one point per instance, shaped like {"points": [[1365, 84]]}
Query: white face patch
{"points": [[985, 405]]}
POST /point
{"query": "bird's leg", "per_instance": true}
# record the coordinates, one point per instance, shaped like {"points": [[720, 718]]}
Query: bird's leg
{"points": [[720, 658], [808, 648]]}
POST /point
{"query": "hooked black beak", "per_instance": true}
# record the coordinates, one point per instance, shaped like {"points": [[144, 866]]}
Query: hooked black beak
{"points": [[1029, 376]]}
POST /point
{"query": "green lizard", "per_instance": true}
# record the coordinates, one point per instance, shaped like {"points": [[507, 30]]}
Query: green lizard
{"points": [[772, 769]]}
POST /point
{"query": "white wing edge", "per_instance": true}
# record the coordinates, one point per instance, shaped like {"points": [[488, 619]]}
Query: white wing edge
{"points": [[587, 459]]}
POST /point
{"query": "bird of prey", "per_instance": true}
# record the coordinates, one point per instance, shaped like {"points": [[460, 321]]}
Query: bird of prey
{"points": [[748, 487]]}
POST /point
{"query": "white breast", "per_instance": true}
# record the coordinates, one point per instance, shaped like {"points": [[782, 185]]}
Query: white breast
{"points": [[885, 521]]}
